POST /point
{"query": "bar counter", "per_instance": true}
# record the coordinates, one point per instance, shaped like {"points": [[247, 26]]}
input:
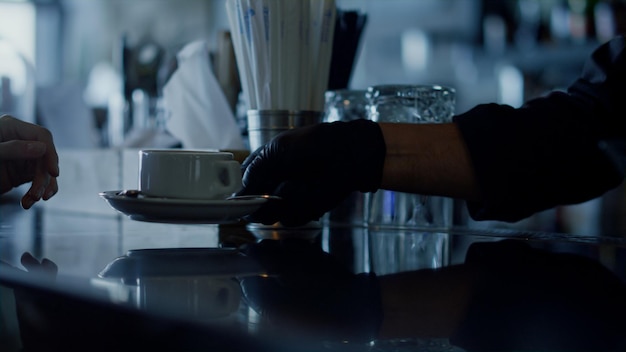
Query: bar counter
{"points": [[130, 285]]}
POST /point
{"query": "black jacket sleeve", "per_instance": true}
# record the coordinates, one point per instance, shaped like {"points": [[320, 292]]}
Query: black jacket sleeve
{"points": [[550, 151], [530, 299]]}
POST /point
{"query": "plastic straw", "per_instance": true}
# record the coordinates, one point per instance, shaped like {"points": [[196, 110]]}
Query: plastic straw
{"points": [[275, 23], [241, 55], [257, 18], [283, 50], [290, 53], [305, 69], [244, 17], [323, 13]]}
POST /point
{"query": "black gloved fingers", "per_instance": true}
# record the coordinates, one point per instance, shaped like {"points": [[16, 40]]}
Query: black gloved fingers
{"points": [[261, 171], [313, 168], [352, 150], [290, 155], [302, 201]]}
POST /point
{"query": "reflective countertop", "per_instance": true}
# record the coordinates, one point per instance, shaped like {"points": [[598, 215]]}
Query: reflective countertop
{"points": [[122, 284]]}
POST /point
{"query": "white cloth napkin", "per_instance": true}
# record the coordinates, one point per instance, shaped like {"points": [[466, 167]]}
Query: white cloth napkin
{"points": [[199, 114]]}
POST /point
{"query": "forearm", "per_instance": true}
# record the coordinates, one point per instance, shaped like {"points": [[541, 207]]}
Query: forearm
{"points": [[428, 159], [425, 303]]}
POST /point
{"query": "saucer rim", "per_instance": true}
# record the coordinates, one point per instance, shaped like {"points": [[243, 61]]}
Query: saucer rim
{"points": [[153, 209], [180, 201]]}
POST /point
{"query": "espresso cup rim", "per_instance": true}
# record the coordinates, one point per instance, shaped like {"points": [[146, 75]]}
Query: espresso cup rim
{"points": [[184, 151]]}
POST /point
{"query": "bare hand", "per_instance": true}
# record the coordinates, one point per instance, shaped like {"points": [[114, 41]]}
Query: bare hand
{"points": [[27, 154]]}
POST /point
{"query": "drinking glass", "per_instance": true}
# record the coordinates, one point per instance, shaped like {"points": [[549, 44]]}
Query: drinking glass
{"points": [[345, 105], [408, 231]]}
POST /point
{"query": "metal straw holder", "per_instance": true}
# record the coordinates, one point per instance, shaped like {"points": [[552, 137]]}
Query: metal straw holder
{"points": [[263, 125]]}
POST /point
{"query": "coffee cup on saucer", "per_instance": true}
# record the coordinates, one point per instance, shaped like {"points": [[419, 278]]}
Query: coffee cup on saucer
{"points": [[188, 174]]}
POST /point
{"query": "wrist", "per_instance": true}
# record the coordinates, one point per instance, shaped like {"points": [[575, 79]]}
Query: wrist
{"points": [[366, 143], [427, 159]]}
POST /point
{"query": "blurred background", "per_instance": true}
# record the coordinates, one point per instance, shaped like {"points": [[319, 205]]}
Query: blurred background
{"points": [[92, 71]]}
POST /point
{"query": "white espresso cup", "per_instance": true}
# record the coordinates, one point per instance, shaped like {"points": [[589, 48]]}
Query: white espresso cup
{"points": [[188, 174], [202, 297]]}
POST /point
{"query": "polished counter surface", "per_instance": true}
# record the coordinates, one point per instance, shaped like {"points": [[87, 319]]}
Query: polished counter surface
{"points": [[122, 284]]}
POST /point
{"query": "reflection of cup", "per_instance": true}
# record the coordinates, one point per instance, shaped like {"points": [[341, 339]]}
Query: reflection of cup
{"points": [[204, 297], [263, 125], [201, 283], [188, 174], [398, 250], [277, 231]]}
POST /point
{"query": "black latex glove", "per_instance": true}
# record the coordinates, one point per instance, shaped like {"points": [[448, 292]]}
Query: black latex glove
{"points": [[308, 292], [314, 168]]}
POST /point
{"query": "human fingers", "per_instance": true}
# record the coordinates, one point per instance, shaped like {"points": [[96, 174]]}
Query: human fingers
{"points": [[246, 163], [14, 173], [293, 154], [30, 198], [39, 186], [28, 201], [16, 129], [262, 171], [51, 157], [307, 201], [21, 149], [302, 201], [43, 185], [52, 189]]}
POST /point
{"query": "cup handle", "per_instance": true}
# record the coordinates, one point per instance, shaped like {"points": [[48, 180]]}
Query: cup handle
{"points": [[218, 297], [234, 296], [229, 176]]}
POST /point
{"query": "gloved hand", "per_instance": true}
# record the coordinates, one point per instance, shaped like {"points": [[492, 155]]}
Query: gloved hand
{"points": [[314, 168], [309, 292]]}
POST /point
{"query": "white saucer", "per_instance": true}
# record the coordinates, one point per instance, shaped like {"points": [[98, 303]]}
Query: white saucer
{"points": [[181, 211]]}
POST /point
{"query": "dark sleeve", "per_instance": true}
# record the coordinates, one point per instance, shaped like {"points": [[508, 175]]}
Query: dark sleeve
{"points": [[529, 299], [550, 151]]}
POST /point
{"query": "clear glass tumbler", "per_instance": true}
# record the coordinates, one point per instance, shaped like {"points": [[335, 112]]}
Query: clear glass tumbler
{"points": [[411, 103], [345, 105], [408, 231]]}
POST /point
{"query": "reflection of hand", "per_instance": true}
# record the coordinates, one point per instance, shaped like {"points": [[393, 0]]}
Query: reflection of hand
{"points": [[27, 154], [313, 168], [45, 268], [33, 306], [307, 288]]}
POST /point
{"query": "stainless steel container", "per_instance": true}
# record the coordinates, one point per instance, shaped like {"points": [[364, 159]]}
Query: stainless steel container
{"points": [[263, 125]]}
